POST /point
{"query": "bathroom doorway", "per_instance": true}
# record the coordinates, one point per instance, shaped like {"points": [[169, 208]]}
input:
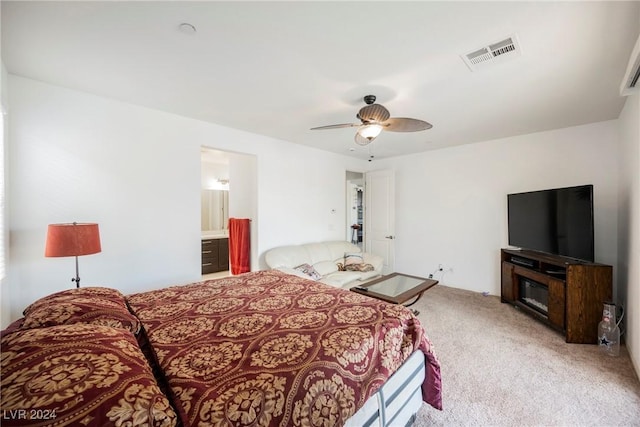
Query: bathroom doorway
{"points": [[214, 213], [229, 188], [355, 208]]}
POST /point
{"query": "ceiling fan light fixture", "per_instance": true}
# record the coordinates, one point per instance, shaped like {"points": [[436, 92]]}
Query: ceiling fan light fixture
{"points": [[360, 140], [370, 131]]}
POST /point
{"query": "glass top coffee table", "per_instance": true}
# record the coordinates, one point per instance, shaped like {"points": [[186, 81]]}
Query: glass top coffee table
{"points": [[396, 288]]}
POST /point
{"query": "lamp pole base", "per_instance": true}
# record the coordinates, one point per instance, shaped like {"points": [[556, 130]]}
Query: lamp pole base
{"points": [[77, 278]]}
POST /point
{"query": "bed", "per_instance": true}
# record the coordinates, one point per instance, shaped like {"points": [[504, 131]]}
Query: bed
{"points": [[259, 349]]}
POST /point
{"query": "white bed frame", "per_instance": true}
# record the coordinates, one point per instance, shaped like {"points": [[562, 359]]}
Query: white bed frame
{"points": [[396, 403]]}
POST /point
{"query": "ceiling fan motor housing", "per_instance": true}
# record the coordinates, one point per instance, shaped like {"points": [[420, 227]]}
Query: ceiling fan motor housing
{"points": [[373, 113]]}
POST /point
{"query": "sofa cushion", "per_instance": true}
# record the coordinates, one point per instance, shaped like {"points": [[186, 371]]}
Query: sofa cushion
{"points": [[368, 275], [341, 278], [339, 248], [326, 267], [317, 252], [376, 260], [286, 256]]}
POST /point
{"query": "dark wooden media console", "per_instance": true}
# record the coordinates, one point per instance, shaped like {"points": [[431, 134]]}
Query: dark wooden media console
{"points": [[564, 293]]}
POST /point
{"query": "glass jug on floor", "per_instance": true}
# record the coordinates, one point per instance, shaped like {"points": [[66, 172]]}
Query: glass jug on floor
{"points": [[608, 331]]}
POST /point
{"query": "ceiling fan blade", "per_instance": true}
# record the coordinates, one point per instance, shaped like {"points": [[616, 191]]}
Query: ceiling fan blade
{"points": [[344, 125], [361, 140], [403, 124]]}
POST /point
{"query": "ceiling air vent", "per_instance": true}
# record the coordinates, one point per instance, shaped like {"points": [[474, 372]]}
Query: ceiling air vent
{"points": [[492, 53], [630, 83]]}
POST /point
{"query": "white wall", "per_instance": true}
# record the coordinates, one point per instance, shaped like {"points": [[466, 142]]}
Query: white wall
{"points": [[243, 197], [136, 171], [5, 316], [629, 224], [452, 205]]}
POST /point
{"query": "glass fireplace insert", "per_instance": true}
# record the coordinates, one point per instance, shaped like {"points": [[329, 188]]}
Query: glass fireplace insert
{"points": [[534, 295]]}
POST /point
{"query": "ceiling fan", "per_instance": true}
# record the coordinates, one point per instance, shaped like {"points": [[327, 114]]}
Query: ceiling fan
{"points": [[375, 118]]}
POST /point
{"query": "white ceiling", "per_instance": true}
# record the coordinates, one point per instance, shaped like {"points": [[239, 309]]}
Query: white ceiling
{"points": [[280, 68]]}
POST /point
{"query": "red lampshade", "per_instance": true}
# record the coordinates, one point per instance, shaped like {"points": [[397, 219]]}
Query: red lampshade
{"points": [[72, 239]]}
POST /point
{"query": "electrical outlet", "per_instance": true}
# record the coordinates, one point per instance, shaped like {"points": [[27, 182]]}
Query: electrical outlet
{"points": [[444, 269], [441, 269]]}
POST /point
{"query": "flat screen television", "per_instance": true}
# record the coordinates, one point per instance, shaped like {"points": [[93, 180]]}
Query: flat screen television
{"points": [[557, 221]]}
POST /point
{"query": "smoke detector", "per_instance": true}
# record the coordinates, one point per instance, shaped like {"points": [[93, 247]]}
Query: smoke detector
{"points": [[506, 49], [187, 28]]}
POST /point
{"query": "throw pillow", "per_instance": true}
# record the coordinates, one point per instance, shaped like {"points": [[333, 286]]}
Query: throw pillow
{"points": [[359, 267], [353, 258], [309, 271]]}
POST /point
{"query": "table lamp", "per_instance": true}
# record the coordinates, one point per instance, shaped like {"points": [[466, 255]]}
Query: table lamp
{"points": [[73, 239]]}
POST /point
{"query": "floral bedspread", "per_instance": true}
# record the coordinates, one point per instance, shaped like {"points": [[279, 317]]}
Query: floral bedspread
{"points": [[272, 349]]}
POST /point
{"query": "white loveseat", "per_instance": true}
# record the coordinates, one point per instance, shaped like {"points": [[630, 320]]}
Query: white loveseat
{"points": [[324, 258]]}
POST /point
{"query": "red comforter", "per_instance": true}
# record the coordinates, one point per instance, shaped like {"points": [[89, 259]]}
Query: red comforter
{"points": [[268, 348]]}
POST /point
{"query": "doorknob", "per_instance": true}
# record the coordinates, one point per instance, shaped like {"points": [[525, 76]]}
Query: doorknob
{"points": [[389, 237]]}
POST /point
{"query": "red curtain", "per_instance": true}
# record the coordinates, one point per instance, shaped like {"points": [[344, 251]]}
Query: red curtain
{"points": [[239, 245]]}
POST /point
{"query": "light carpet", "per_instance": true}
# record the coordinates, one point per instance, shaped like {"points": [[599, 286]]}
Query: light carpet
{"points": [[501, 367]]}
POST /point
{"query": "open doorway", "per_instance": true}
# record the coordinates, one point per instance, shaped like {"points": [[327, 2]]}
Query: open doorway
{"points": [[229, 188], [355, 208], [214, 213]]}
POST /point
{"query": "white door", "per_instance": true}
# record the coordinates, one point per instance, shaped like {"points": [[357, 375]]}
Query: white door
{"points": [[380, 216]]}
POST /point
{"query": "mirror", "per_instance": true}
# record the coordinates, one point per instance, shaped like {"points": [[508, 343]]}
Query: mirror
{"points": [[215, 211]]}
